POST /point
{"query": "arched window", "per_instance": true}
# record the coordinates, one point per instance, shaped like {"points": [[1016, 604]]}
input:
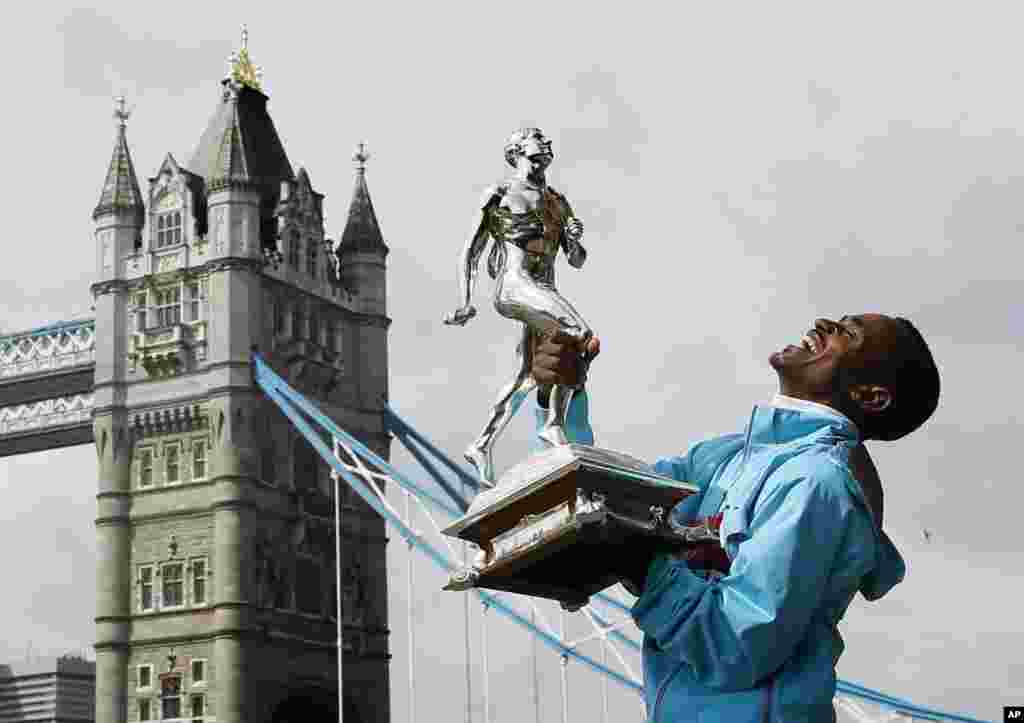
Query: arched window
{"points": [[170, 697], [293, 251], [311, 258], [168, 306], [168, 229]]}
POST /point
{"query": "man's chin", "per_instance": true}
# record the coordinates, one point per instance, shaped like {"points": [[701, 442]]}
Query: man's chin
{"points": [[782, 358]]}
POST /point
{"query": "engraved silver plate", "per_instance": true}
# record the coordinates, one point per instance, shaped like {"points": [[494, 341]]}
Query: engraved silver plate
{"points": [[544, 468], [557, 523], [533, 529]]}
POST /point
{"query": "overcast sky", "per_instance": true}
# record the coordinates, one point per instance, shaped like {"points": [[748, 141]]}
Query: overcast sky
{"points": [[741, 169]]}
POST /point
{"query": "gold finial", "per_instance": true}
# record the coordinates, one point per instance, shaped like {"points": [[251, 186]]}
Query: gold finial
{"points": [[361, 157], [242, 71], [121, 113]]}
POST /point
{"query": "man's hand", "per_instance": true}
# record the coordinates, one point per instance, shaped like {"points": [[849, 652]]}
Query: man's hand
{"points": [[561, 359], [574, 230], [706, 556], [574, 250], [632, 570], [460, 316]]}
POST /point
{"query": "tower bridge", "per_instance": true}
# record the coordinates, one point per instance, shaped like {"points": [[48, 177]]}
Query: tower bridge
{"points": [[215, 593]]}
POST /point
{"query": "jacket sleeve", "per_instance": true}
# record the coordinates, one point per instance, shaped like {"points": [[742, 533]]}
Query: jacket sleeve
{"points": [[736, 630], [698, 466]]}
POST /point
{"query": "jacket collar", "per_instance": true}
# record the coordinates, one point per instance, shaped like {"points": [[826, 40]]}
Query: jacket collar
{"points": [[783, 401], [787, 419]]}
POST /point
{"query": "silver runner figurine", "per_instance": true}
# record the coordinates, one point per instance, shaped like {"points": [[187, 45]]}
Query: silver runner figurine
{"points": [[529, 222]]}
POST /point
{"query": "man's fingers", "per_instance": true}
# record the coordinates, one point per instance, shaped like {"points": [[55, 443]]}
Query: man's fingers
{"points": [[557, 342], [561, 337], [551, 369], [555, 350], [557, 358]]}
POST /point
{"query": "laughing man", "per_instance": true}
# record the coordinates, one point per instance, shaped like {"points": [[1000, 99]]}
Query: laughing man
{"points": [[800, 501]]}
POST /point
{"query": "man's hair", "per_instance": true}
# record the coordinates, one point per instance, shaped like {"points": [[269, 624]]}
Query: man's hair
{"points": [[910, 374]]}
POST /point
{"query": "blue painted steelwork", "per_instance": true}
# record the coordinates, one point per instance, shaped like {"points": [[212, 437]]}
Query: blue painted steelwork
{"points": [[51, 328], [403, 435], [397, 424]]}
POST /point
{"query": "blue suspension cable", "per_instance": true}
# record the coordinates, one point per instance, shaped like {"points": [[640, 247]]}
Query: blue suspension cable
{"points": [[394, 421], [413, 448]]}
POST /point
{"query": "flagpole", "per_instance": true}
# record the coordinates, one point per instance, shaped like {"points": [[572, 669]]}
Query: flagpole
{"points": [[337, 583]]}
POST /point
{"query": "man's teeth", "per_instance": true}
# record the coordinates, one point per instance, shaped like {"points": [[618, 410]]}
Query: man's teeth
{"points": [[808, 343]]}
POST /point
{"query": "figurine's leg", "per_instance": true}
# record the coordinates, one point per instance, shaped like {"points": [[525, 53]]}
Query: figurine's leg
{"points": [[537, 303], [511, 397], [553, 430]]}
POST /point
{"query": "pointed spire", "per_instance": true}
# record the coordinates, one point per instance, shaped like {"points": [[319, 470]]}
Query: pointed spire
{"points": [[121, 188], [362, 232], [361, 157]]}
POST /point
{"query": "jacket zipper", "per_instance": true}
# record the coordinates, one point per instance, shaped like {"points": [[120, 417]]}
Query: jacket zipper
{"points": [[663, 688]]}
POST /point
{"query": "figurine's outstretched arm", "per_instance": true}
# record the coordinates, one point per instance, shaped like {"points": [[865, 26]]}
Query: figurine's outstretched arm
{"points": [[572, 233], [469, 260]]}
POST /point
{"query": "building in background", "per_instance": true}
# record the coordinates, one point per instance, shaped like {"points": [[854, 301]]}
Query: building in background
{"points": [[48, 690], [215, 537]]}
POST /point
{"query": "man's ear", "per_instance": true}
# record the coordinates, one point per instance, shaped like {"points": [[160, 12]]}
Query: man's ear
{"points": [[871, 398]]}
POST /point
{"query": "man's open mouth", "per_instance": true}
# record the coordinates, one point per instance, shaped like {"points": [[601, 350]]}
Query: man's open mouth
{"points": [[813, 342]]}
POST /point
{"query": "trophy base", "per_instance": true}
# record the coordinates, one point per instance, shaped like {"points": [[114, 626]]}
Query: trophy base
{"points": [[556, 524]]}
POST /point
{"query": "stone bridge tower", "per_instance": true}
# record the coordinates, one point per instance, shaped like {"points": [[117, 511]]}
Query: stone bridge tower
{"points": [[216, 585]]}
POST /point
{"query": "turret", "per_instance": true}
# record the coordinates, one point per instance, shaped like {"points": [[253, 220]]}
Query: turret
{"points": [[119, 217], [361, 256], [120, 213], [362, 251]]}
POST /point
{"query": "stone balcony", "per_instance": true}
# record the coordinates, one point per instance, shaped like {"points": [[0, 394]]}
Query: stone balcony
{"points": [[168, 350]]}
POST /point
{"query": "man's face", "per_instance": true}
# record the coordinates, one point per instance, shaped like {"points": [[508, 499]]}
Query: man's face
{"points": [[537, 153], [811, 368]]}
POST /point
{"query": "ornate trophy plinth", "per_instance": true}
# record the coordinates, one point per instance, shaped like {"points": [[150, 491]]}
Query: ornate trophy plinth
{"points": [[555, 523]]}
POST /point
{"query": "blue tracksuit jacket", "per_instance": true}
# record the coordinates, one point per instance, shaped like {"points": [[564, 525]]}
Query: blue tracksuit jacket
{"points": [[761, 643]]}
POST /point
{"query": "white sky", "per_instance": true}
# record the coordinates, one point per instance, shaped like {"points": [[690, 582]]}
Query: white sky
{"points": [[740, 169]]}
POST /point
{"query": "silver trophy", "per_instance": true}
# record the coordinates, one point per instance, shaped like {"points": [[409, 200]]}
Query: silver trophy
{"points": [[529, 222], [548, 526]]}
